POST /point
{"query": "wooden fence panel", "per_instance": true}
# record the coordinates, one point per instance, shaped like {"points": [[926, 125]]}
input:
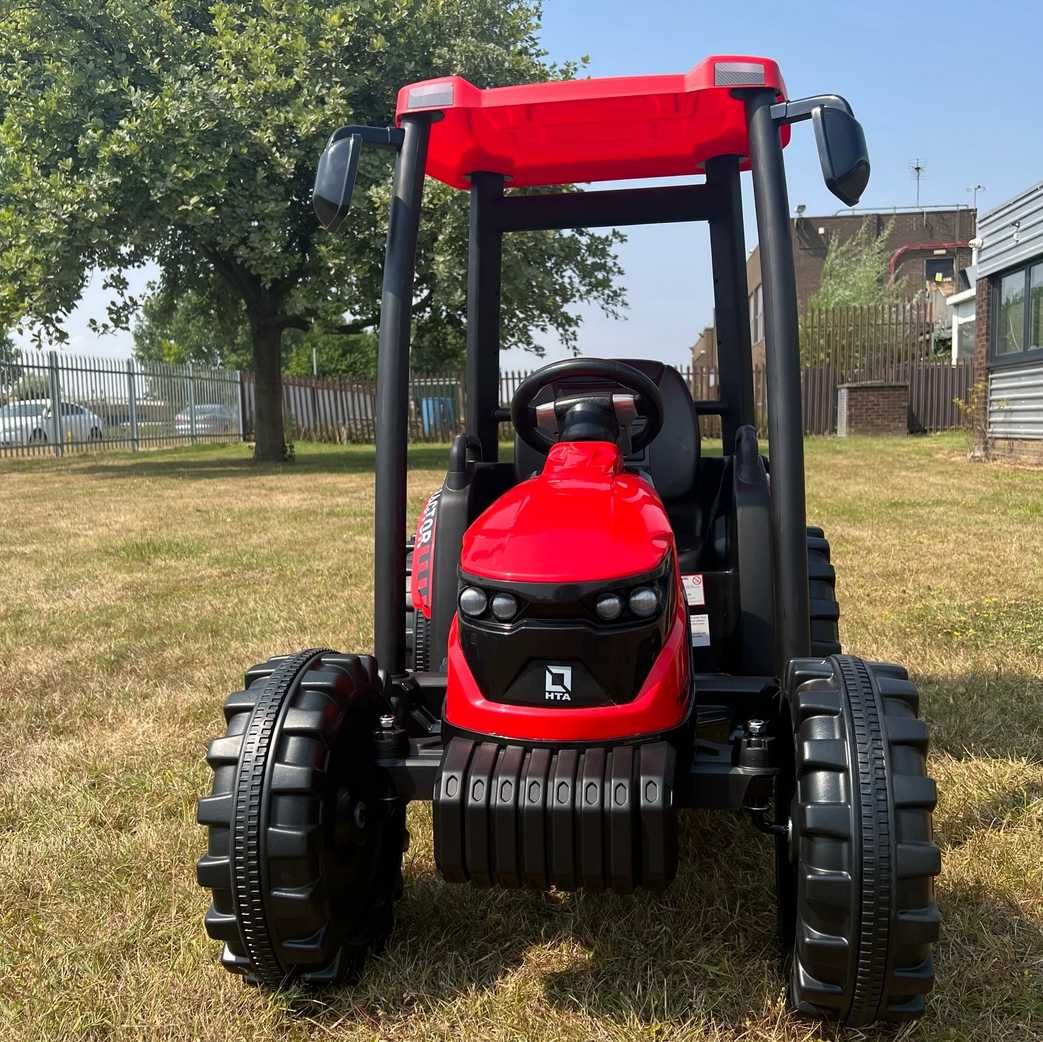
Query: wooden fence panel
{"points": [[342, 409]]}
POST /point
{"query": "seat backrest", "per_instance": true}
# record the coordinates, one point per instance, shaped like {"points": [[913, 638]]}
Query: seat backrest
{"points": [[672, 457]]}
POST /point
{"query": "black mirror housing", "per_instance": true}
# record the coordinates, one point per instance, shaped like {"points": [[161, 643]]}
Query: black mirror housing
{"points": [[842, 151], [335, 180]]}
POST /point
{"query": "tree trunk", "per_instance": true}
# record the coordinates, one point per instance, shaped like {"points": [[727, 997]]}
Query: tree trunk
{"points": [[269, 430]]}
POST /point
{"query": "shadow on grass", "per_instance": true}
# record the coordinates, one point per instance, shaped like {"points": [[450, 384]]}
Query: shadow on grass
{"points": [[988, 715], [704, 953], [645, 957], [347, 459]]}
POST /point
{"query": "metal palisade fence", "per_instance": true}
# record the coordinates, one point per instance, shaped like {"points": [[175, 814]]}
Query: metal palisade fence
{"points": [[52, 404], [342, 410], [56, 403]]}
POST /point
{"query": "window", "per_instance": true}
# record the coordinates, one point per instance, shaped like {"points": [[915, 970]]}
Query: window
{"points": [[938, 269], [71, 410], [966, 331], [1017, 300], [1035, 339], [22, 409]]}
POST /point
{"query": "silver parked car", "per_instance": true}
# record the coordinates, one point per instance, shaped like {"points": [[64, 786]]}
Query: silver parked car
{"points": [[32, 422], [210, 420]]}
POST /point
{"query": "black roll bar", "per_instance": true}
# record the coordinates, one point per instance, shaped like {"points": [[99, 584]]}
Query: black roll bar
{"points": [[785, 417], [392, 418]]}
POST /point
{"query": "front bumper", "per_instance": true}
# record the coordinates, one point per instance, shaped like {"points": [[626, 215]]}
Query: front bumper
{"points": [[599, 817]]}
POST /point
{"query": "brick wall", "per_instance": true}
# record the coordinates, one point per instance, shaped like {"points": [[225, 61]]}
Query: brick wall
{"points": [[872, 408], [810, 245], [1023, 450]]}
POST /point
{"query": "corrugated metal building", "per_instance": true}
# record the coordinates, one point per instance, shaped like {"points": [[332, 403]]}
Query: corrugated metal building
{"points": [[1010, 322]]}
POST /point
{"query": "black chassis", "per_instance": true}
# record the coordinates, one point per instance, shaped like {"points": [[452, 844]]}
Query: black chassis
{"points": [[721, 764]]}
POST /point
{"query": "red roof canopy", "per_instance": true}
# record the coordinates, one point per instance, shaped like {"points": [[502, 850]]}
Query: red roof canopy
{"points": [[570, 131]]}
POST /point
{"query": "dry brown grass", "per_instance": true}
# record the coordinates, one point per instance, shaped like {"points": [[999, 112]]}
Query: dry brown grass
{"points": [[137, 590]]}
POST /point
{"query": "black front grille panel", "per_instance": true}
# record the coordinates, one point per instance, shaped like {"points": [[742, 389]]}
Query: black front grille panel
{"points": [[600, 817], [557, 625], [608, 666]]}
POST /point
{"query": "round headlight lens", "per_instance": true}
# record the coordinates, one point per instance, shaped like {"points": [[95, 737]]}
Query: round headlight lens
{"points": [[505, 607], [473, 600], [609, 607], [644, 601]]}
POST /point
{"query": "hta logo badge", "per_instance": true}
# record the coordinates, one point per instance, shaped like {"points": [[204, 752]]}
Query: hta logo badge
{"points": [[558, 684]]}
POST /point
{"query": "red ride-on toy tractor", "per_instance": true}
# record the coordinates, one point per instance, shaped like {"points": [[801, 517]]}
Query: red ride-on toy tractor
{"points": [[584, 640]]}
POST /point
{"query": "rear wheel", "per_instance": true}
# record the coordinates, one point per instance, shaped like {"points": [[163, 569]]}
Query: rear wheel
{"points": [[305, 842], [855, 873], [822, 587]]}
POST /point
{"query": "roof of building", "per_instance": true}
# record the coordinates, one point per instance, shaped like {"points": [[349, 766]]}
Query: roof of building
{"points": [[569, 131]]}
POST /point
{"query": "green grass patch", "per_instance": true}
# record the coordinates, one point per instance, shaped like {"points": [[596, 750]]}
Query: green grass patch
{"points": [[154, 549], [139, 587]]}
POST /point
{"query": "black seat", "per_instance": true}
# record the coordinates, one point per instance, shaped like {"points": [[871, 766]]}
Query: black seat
{"points": [[671, 459]]}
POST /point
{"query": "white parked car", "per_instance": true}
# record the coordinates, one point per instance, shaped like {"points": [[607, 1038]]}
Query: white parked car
{"points": [[210, 420], [32, 423]]}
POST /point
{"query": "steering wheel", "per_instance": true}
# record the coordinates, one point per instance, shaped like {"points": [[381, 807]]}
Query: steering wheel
{"points": [[647, 400]]}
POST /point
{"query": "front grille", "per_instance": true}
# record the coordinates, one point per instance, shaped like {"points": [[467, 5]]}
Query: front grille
{"points": [[600, 817]]}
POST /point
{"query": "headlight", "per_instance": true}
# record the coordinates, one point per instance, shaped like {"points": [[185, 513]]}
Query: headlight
{"points": [[473, 600], [644, 602], [609, 607], [505, 607]]}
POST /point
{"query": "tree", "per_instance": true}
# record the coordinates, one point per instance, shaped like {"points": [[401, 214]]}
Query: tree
{"points": [[854, 274], [187, 132], [855, 270], [10, 360], [195, 327]]}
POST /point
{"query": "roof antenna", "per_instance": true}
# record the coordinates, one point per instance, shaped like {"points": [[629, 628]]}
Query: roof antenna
{"points": [[918, 172]]}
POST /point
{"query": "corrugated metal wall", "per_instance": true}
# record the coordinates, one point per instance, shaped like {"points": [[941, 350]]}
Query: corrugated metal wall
{"points": [[1016, 402], [1012, 233]]}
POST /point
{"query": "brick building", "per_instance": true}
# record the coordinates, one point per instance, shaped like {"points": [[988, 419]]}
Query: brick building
{"points": [[928, 248]]}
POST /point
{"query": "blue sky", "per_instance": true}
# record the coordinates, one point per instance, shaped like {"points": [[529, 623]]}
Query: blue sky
{"points": [[953, 84]]}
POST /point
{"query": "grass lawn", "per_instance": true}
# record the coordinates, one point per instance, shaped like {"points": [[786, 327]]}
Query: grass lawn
{"points": [[136, 590]]}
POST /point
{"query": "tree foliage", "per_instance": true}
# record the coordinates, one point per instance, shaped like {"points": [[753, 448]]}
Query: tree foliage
{"points": [[855, 270], [10, 359], [186, 132]]}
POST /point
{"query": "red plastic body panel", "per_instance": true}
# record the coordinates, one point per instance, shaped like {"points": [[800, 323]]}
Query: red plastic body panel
{"points": [[424, 555], [584, 518], [568, 131], [661, 705]]}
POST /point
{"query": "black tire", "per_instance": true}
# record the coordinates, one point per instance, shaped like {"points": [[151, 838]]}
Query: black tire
{"points": [[822, 587], [855, 881], [38, 436], [95, 434], [304, 859]]}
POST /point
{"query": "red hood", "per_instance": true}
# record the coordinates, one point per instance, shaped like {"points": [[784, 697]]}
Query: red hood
{"points": [[582, 519]]}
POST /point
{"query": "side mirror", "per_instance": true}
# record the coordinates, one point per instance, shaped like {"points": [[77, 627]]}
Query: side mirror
{"points": [[842, 152], [335, 180]]}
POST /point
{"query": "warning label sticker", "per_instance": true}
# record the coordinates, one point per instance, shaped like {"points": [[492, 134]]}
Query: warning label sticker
{"points": [[694, 592], [700, 630]]}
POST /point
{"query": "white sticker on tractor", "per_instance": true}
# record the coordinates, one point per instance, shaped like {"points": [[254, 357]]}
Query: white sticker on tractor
{"points": [[558, 684], [700, 630], [694, 592]]}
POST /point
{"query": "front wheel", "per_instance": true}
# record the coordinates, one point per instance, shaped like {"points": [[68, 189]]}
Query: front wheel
{"points": [[304, 859], [856, 867]]}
